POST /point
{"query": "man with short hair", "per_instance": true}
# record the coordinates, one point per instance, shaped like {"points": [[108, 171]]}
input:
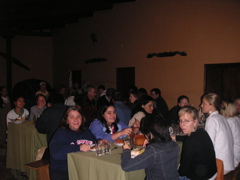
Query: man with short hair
{"points": [[88, 104], [159, 103], [106, 99]]}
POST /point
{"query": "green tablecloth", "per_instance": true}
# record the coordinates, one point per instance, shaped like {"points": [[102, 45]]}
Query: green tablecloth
{"points": [[22, 146], [87, 166]]}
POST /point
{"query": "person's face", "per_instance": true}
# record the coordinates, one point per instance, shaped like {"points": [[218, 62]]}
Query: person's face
{"points": [[206, 107], [74, 120], [110, 115], [92, 93], [43, 88], [148, 107], [4, 92], [20, 103], [187, 124], [132, 98], [62, 90], [41, 101], [238, 105], [183, 102], [154, 95]]}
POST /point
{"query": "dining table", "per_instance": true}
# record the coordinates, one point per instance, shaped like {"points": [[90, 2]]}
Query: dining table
{"points": [[88, 166], [23, 143]]}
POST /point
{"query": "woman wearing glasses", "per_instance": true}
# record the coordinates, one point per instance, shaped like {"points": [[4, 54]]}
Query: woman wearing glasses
{"points": [[198, 159]]}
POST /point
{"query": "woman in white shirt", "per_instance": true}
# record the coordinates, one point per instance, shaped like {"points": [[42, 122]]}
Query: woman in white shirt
{"points": [[18, 111], [229, 111], [218, 130]]}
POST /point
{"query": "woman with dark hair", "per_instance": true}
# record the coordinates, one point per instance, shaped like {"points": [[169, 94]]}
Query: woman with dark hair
{"points": [[198, 159], [107, 126], [38, 109], [72, 136], [145, 107], [19, 111], [160, 157], [219, 130]]}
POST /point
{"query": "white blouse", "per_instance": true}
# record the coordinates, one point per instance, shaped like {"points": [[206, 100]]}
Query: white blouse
{"points": [[221, 135], [234, 123]]}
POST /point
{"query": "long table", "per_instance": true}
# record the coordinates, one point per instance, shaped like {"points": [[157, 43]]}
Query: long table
{"points": [[87, 166], [22, 145]]}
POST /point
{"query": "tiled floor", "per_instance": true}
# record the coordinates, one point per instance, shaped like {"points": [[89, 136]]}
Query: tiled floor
{"points": [[5, 174]]}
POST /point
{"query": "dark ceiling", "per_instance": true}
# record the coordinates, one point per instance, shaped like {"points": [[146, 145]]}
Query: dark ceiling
{"points": [[39, 17]]}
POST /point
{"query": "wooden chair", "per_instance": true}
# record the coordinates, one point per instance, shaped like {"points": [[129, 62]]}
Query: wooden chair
{"points": [[233, 175], [41, 167], [220, 170]]}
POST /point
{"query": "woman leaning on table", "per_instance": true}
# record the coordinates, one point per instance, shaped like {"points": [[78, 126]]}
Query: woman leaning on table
{"points": [[198, 159], [161, 154], [107, 126], [72, 136], [219, 131]]}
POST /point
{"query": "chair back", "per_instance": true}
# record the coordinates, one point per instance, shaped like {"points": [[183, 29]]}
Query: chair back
{"points": [[220, 169]]}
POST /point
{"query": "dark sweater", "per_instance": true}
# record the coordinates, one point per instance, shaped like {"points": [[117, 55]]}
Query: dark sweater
{"points": [[159, 161], [198, 159], [63, 142]]}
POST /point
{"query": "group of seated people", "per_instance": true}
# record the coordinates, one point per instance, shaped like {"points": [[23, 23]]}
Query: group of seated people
{"points": [[75, 128]]}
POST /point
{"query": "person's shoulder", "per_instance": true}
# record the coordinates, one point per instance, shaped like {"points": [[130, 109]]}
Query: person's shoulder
{"points": [[25, 110]]}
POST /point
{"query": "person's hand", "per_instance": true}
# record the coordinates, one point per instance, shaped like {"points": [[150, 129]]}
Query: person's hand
{"points": [[126, 145], [136, 124], [145, 143], [84, 147], [126, 131]]}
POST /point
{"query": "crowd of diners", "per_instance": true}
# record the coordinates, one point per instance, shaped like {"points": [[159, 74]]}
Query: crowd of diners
{"points": [[91, 115]]}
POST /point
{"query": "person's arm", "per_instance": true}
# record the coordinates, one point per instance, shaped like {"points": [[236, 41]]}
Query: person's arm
{"points": [[98, 131], [211, 128], [59, 146], [187, 157], [142, 161]]}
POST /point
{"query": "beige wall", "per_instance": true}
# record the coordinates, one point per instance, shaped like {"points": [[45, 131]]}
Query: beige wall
{"points": [[208, 30], [34, 52]]}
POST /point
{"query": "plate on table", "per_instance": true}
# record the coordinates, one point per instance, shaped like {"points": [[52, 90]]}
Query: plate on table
{"points": [[18, 121], [93, 147], [119, 142]]}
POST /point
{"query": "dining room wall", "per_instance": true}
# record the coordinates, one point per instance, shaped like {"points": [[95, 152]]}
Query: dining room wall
{"points": [[34, 52], [207, 30]]}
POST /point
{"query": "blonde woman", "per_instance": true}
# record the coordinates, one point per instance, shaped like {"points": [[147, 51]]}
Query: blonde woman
{"points": [[218, 130], [229, 111], [198, 159]]}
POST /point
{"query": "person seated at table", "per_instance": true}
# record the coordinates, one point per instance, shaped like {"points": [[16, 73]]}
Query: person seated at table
{"points": [[19, 111], [145, 107], [198, 160], [237, 101], [160, 158], [219, 130], [72, 136], [43, 90], [172, 115], [133, 99], [229, 111], [107, 125], [37, 110]]}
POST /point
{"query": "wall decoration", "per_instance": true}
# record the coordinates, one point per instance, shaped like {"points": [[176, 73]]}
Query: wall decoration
{"points": [[167, 54]]}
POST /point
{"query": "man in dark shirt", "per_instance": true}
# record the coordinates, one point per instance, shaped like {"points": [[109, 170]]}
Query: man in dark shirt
{"points": [[51, 117], [88, 104], [159, 103]]}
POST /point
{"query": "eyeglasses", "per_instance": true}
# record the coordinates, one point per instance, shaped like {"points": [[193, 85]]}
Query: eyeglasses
{"points": [[185, 121]]}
